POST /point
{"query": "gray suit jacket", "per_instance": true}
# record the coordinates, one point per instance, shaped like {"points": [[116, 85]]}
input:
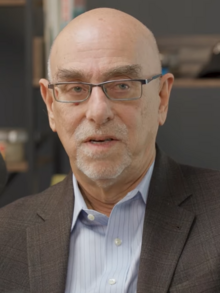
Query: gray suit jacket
{"points": [[181, 237]]}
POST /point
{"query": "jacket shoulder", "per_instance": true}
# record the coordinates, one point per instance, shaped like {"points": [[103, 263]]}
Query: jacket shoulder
{"points": [[201, 178], [24, 210], [204, 186]]}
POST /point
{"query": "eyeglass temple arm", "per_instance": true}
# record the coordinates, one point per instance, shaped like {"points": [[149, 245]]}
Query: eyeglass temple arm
{"points": [[152, 78]]}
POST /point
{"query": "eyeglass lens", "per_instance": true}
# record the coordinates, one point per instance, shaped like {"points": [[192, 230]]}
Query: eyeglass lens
{"points": [[118, 90]]}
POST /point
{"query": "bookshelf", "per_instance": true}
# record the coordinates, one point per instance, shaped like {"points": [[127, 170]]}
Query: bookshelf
{"points": [[17, 167], [196, 83], [12, 2]]}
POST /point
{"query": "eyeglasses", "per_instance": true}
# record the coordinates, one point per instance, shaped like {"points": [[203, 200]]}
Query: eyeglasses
{"points": [[115, 90]]}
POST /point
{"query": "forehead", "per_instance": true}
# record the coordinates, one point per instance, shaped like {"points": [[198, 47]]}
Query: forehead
{"points": [[95, 51], [131, 71]]}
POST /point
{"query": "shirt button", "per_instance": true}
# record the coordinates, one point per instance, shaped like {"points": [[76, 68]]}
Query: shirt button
{"points": [[112, 281], [118, 242], [91, 217]]}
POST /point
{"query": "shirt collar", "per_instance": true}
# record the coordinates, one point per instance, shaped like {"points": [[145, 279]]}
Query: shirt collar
{"points": [[142, 187]]}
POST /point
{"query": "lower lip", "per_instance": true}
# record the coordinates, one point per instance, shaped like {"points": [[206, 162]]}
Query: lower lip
{"points": [[101, 145]]}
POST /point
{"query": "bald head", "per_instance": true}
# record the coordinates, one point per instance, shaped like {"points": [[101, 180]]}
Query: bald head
{"points": [[114, 52], [100, 27]]}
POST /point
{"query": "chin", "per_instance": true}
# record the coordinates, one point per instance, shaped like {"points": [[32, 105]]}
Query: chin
{"points": [[103, 173]]}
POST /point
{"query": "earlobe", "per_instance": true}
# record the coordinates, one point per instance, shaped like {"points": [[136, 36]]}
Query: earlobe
{"points": [[48, 100]]}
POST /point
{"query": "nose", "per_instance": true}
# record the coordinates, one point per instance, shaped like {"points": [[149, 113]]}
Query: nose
{"points": [[99, 107]]}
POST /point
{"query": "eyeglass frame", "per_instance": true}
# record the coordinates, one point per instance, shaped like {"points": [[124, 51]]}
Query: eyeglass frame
{"points": [[91, 85]]}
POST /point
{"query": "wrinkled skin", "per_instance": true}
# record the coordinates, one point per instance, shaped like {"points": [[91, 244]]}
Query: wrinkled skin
{"points": [[96, 47]]}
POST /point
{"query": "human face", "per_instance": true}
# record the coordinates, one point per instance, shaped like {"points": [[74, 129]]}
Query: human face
{"points": [[102, 152], [105, 140]]}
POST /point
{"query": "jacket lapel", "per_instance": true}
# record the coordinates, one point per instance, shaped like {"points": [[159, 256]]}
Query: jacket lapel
{"points": [[48, 243], [166, 227]]}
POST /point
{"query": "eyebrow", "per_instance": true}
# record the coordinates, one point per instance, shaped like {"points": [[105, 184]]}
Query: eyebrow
{"points": [[69, 74], [132, 71], [128, 70]]}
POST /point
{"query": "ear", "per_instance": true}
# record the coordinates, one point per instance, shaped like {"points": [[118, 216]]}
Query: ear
{"points": [[47, 96], [166, 84]]}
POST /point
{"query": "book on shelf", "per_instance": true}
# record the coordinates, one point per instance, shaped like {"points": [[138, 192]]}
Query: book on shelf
{"points": [[57, 13]]}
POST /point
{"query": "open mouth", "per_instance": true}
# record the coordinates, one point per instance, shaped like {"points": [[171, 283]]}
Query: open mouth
{"points": [[101, 140]]}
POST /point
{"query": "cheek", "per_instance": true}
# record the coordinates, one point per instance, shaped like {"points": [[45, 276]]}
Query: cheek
{"points": [[62, 117], [147, 116], [134, 117], [66, 123], [148, 121], [149, 109]]}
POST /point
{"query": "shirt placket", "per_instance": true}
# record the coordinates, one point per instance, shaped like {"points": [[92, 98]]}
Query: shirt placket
{"points": [[117, 257]]}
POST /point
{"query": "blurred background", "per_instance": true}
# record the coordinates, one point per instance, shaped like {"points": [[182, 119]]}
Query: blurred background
{"points": [[188, 35]]}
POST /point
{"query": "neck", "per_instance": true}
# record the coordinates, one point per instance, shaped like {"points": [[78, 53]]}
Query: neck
{"points": [[102, 206]]}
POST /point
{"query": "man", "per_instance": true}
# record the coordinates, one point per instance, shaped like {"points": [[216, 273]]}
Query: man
{"points": [[127, 218]]}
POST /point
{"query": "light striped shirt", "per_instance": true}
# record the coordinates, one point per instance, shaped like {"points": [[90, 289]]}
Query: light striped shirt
{"points": [[105, 252]]}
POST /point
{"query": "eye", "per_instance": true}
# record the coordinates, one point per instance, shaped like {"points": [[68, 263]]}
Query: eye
{"points": [[77, 89], [123, 86]]}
